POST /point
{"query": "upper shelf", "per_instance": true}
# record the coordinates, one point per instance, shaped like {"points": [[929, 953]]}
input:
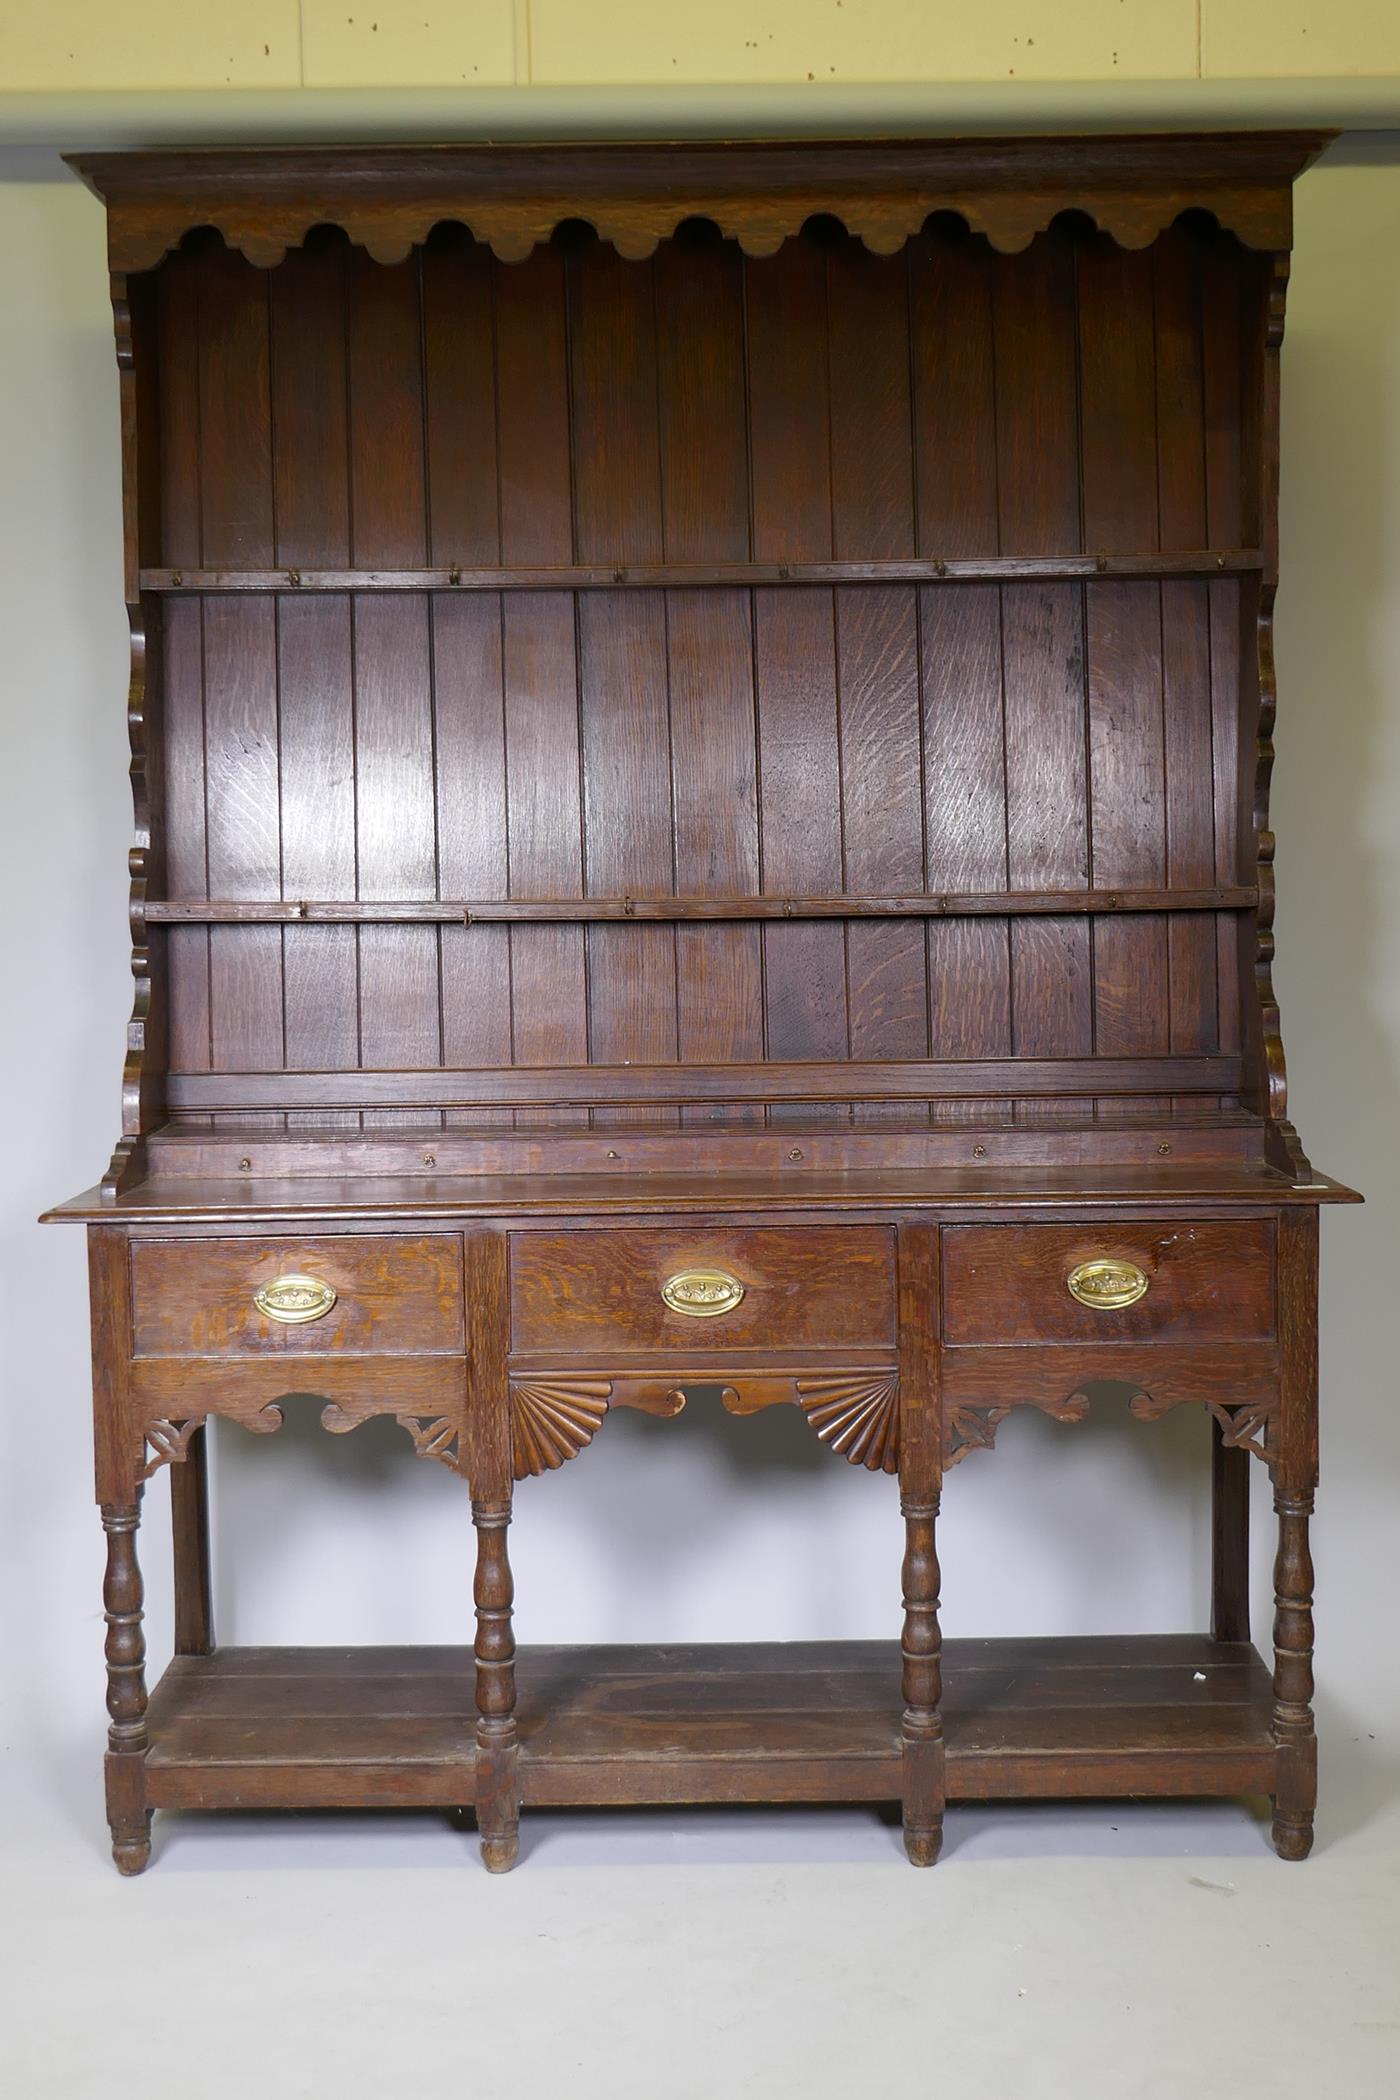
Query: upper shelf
{"points": [[513, 197], [228, 911], [745, 575]]}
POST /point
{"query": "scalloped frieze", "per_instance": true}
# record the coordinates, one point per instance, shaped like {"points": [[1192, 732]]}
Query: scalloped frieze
{"points": [[1009, 220], [553, 1419], [857, 1417]]}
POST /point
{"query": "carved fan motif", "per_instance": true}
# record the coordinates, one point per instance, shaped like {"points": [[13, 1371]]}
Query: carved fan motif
{"points": [[552, 1422], [857, 1417]]}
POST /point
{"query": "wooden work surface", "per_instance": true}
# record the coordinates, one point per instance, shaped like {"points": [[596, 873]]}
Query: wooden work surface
{"points": [[882, 1189]]}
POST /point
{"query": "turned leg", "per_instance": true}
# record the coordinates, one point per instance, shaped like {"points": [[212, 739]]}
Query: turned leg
{"points": [[1295, 1794], [189, 1523], [122, 1599], [1229, 1572], [1293, 1462], [922, 1728], [497, 1790]]}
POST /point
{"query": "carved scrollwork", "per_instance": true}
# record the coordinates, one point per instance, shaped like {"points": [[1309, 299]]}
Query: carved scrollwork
{"points": [[552, 1420], [967, 1429], [1243, 1428], [127, 1160], [168, 1441], [858, 1417], [1246, 1428], [434, 1437]]}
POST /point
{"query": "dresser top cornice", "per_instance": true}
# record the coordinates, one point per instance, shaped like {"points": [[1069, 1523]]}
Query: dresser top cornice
{"points": [[512, 197]]}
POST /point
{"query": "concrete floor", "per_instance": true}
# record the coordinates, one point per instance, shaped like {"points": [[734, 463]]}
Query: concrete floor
{"points": [[1121, 1951]]}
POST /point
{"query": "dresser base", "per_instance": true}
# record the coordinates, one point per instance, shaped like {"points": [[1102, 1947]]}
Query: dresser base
{"points": [[775, 1722]]}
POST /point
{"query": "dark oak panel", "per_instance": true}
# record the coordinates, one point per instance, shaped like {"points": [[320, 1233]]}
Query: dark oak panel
{"points": [[611, 641], [822, 1287], [1205, 1280], [194, 1298], [806, 1081]]}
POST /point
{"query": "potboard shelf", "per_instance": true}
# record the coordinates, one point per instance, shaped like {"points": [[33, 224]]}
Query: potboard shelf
{"points": [[767, 1721]]}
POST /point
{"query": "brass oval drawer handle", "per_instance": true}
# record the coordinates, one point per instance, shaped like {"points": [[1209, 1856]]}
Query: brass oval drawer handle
{"points": [[702, 1294], [1106, 1286], [294, 1299]]}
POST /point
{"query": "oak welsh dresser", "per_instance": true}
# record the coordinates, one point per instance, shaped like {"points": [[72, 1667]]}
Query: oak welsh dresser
{"points": [[700, 731]]}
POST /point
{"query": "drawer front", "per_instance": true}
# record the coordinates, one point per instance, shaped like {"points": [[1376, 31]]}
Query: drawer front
{"points": [[393, 1297], [802, 1287], [1011, 1283]]}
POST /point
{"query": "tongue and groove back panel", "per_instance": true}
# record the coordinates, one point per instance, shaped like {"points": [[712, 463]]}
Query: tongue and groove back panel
{"points": [[803, 740]]}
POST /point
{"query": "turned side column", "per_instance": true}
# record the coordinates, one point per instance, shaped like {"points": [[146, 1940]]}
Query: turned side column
{"points": [[920, 1485], [921, 1728], [1295, 1792], [497, 1788], [490, 1468], [123, 1599], [1295, 1467], [118, 1452]]}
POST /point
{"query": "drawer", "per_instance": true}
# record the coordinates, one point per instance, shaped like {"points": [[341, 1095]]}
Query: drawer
{"points": [[393, 1296], [798, 1287], [1011, 1283]]}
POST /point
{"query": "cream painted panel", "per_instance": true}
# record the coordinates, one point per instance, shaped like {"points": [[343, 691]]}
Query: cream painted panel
{"points": [[408, 43], [827, 40], [1266, 39], [149, 44]]}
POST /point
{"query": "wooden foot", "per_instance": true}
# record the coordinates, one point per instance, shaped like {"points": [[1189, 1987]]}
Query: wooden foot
{"points": [[499, 1854], [131, 1847], [1293, 1835], [922, 1847]]}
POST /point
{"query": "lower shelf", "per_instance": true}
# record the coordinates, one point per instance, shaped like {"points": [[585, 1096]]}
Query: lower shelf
{"points": [[763, 1722]]}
